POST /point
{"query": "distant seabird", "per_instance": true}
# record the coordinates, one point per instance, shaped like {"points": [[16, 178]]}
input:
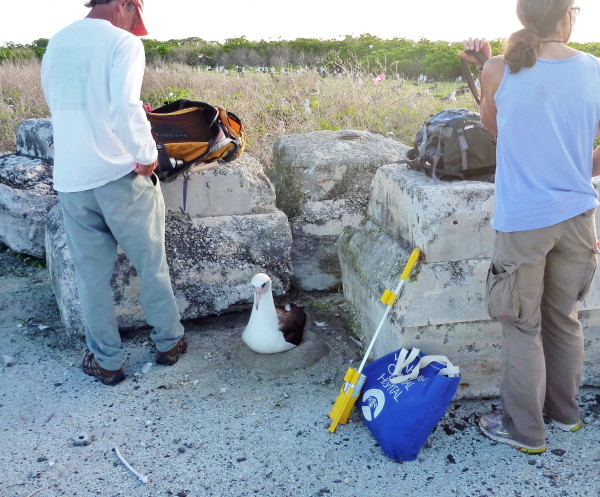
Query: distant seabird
{"points": [[272, 329]]}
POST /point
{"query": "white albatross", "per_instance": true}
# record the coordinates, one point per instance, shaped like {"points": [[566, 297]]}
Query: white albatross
{"points": [[272, 329]]}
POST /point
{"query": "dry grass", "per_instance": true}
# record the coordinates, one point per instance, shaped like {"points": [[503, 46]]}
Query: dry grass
{"points": [[21, 98], [270, 106]]}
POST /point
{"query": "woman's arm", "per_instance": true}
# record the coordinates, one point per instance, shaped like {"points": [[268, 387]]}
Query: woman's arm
{"points": [[596, 159], [491, 76]]}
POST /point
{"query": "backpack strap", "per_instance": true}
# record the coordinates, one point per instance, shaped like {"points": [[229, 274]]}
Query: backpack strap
{"points": [[438, 172], [467, 72], [464, 146], [423, 145], [438, 155], [186, 179]]}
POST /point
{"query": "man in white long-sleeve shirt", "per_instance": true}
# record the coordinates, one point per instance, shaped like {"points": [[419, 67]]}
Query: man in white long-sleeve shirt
{"points": [[104, 161]]}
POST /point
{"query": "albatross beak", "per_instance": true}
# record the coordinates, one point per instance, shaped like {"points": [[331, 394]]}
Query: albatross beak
{"points": [[257, 295]]}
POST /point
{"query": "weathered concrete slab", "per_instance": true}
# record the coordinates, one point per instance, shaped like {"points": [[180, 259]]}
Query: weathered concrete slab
{"points": [[315, 235], [25, 199], [449, 221], [329, 165], [229, 189], [34, 138], [211, 261], [323, 182], [441, 310], [26, 194]]}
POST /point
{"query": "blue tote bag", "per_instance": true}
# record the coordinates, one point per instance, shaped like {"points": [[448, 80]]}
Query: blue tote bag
{"points": [[403, 398]]}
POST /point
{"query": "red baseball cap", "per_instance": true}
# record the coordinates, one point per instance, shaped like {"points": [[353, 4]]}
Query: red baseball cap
{"points": [[140, 28]]}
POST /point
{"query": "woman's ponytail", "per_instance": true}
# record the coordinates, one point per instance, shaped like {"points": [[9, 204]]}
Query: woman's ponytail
{"points": [[521, 50], [540, 18]]}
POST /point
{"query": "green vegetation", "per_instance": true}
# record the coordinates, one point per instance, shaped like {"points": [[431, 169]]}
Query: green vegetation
{"points": [[319, 305], [31, 261], [287, 86], [367, 53], [13, 52]]}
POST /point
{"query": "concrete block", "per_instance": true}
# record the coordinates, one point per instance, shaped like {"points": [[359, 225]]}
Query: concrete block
{"points": [[211, 261], [448, 221], [326, 165], [441, 310], [229, 189], [315, 235], [34, 138], [323, 183], [26, 196]]}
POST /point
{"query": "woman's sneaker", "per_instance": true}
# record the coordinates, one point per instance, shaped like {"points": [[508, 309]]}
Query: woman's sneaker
{"points": [[562, 426], [491, 426]]}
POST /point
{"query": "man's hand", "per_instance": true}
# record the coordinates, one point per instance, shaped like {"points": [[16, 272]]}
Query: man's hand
{"points": [[145, 169], [477, 45]]}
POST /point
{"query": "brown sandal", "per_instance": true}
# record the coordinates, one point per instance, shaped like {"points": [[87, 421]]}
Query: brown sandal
{"points": [[91, 367], [172, 356]]}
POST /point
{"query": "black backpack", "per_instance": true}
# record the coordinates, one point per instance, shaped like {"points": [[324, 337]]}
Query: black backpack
{"points": [[453, 144]]}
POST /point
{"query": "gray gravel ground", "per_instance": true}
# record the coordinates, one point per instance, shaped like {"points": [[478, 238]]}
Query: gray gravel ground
{"points": [[209, 427]]}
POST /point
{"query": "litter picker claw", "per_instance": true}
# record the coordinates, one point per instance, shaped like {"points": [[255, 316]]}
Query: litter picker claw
{"points": [[354, 379]]}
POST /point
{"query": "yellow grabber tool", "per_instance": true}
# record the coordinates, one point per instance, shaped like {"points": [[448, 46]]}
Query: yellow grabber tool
{"points": [[354, 379]]}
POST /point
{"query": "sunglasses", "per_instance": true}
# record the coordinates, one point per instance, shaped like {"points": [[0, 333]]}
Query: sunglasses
{"points": [[131, 5]]}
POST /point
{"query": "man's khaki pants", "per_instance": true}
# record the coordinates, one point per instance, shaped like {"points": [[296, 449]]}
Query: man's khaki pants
{"points": [[129, 211], [536, 278]]}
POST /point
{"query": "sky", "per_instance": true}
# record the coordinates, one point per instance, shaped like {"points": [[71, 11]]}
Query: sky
{"points": [[448, 20]]}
